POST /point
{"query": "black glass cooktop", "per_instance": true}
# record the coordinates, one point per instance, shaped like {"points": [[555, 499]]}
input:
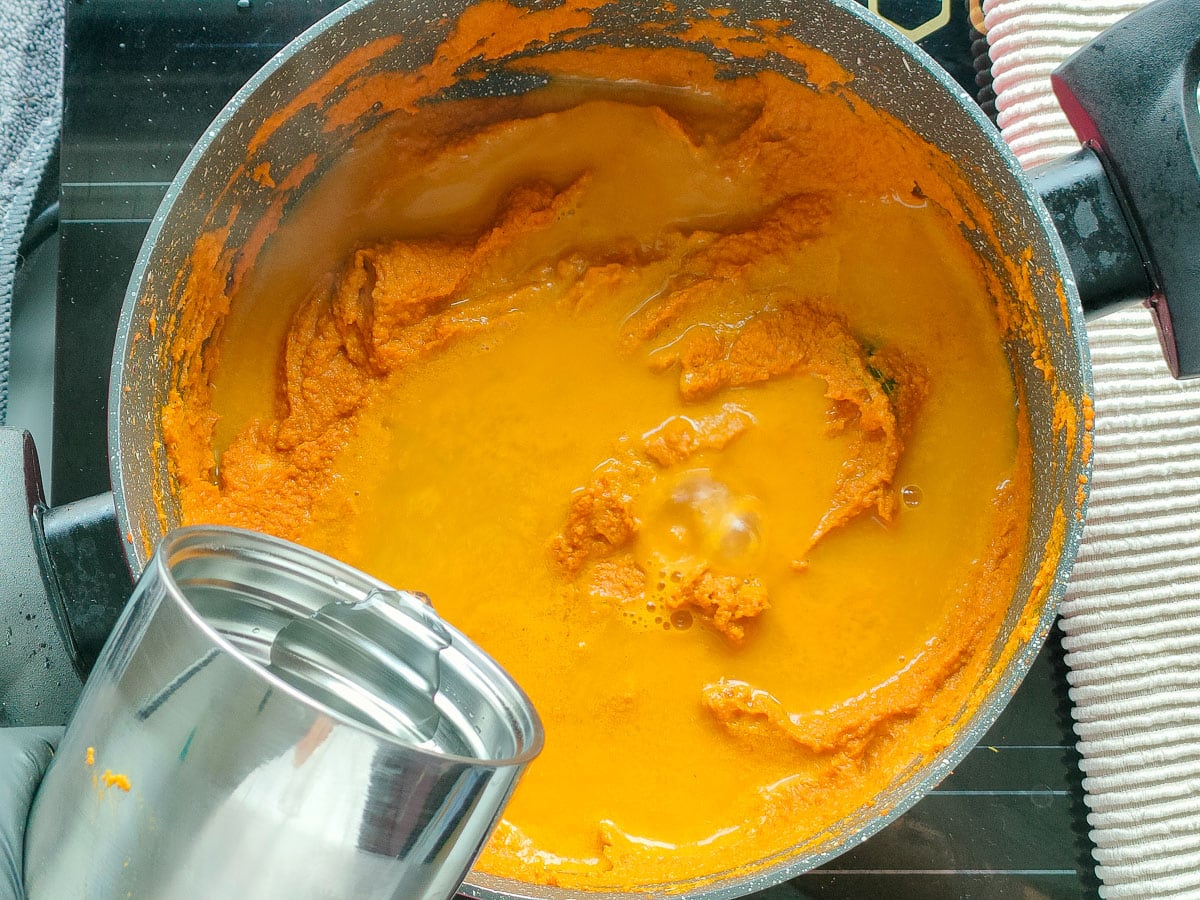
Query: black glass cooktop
{"points": [[143, 80]]}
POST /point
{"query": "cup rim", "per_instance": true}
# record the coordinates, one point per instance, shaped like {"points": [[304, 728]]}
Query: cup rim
{"points": [[513, 703]]}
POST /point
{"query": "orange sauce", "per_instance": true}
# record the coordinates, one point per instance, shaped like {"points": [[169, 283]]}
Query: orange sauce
{"points": [[116, 779], [689, 406]]}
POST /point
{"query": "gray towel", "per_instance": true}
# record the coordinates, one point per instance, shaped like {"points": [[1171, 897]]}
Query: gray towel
{"points": [[31, 44]]}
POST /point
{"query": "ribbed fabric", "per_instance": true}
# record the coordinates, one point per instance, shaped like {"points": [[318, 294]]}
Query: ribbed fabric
{"points": [[1131, 618], [1028, 38]]}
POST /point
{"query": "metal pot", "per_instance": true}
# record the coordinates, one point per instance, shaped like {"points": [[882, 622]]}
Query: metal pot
{"points": [[1127, 208]]}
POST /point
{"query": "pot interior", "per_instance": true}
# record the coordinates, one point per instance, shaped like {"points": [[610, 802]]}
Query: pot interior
{"points": [[281, 117]]}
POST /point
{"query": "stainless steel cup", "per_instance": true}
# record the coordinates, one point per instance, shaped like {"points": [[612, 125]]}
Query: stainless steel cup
{"points": [[267, 722]]}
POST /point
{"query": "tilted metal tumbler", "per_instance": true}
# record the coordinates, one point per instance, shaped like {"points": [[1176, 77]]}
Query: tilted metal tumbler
{"points": [[267, 722]]}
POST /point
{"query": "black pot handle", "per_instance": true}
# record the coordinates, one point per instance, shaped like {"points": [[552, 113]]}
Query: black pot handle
{"points": [[63, 583], [1130, 95], [84, 559]]}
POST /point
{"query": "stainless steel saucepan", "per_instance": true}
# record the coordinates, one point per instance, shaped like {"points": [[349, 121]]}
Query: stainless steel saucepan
{"points": [[1117, 222]]}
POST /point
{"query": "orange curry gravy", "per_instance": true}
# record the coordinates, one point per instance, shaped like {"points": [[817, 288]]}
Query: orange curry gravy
{"points": [[689, 404]]}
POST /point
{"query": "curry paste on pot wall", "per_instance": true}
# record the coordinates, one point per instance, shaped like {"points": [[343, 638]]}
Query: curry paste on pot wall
{"points": [[684, 396]]}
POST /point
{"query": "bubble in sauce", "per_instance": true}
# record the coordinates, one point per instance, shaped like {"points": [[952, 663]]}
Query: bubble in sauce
{"points": [[698, 521], [681, 619], [739, 537], [911, 495]]}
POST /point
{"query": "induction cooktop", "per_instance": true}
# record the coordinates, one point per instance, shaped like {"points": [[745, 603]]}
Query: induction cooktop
{"points": [[143, 80]]}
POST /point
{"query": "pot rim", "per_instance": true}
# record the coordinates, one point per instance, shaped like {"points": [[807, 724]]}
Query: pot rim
{"points": [[983, 717]]}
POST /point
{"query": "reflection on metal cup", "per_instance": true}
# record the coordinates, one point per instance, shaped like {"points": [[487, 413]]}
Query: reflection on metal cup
{"points": [[267, 722]]}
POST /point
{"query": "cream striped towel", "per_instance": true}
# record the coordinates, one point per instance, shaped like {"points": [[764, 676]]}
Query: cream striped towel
{"points": [[1131, 618]]}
